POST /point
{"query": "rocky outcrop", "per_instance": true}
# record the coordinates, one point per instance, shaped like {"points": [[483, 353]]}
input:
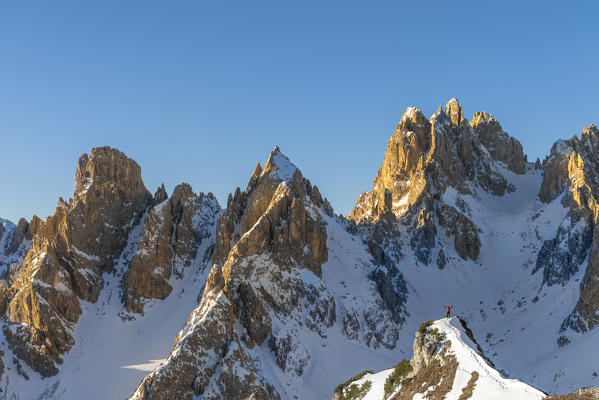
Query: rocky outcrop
{"points": [[402, 172], [501, 146], [17, 237], [392, 288], [423, 239], [447, 359], [69, 252], [5, 225], [571, 165], [585, 315], [425, 348], [561, 257], [14, 244], [466, 241], [582, 394], [173, 230]]}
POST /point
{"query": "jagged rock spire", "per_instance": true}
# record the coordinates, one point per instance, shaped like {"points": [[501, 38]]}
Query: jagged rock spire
{"points": [[454, 111], [160, 195], [498, 143], [279, 166]]}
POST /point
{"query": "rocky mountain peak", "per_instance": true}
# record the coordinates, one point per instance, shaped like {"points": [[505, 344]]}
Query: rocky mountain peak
{"points": [[75, 246], [590, 137], [107, 170], [423, 159], [278, 166], [567, 160], [160, 195], [268, 236], [244, 209], [500, 145], [426, 156], [19, 234], [482, 117], [454, 111]]}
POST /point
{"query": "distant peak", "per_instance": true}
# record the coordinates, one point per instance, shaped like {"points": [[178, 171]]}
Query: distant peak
{"points": [[454, 111], [591, 129], [482, 118], [160, 195], [258, 169], [107, 165], [279, 164], [412, 113], [256, 174], [452, 102]]}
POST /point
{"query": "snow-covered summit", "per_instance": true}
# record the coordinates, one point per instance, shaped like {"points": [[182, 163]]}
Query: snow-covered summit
{"points": [[448, 364], [279, 166]]}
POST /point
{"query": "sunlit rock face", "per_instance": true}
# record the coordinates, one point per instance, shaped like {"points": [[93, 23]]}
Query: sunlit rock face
{"points": [[423, 159], [173, 230], [69, 252], [571, 172]]}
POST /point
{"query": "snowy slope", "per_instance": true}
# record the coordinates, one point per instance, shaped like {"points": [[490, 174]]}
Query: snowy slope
{"points": [[334, 357], [516, 317], [489, 384]]}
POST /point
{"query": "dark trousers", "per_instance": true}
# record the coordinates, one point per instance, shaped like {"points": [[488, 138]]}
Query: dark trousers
{"points": [[447, 314]]}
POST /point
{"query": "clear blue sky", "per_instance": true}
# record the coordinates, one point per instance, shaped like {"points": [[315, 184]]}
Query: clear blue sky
{"points": [[200, 91]]}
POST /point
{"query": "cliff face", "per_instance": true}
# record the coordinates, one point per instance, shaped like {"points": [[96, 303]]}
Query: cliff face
{"points": [[68, 255], [173, 230], [571, 172], [501, 146]]}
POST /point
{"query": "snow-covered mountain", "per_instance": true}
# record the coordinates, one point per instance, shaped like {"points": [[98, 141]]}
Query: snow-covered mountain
{"points": [[276, 297]]}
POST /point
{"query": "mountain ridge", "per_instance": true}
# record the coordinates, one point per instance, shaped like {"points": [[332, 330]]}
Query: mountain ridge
{"points": [[278, 291]]}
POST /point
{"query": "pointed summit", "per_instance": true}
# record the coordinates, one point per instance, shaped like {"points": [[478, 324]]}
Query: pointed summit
{"points": [[160, 195], [255, 175], [258, 169], [279, 166], [498, 143], [454, 111], [411, 113], [413, 120]]}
